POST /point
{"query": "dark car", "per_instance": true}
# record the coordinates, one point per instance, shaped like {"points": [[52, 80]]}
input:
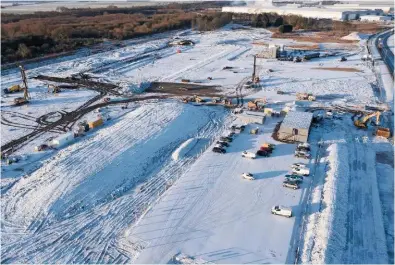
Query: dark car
{"points": [[223, 143], [303, 148], [226, 139], [219, 150], [262, 153]]}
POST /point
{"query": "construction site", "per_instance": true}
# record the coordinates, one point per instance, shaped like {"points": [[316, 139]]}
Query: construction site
{"points": [[190, 147]]}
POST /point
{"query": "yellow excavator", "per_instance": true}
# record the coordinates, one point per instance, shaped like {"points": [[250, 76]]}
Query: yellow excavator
{"points": [[253, 105], [361, 123]]}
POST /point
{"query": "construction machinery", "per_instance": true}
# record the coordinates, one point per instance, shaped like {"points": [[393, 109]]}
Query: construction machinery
{"points": [[362, 123], [254, 131], [17, 88], [253, 105], [13, 89], [195, 98], [305, 96], [383, 132], [53, 88], [25, 99]]}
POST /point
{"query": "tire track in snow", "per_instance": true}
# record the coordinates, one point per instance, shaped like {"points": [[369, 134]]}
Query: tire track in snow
{"points": [[111, 217]]}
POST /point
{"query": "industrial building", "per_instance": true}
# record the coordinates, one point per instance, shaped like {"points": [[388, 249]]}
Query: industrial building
{"points": [[311, 12], [295, 126], [251, 117]]}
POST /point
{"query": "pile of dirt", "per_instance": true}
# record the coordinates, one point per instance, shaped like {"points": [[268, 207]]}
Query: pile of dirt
{"points": [[355, 36]]}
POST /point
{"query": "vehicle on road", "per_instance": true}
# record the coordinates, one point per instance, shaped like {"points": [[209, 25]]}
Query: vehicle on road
{"points": [[298, 165], [302, 154], [248, 155], [301, 171], [290, 184], [295, 178], [248, 176], [219, 150], [282, 210]]}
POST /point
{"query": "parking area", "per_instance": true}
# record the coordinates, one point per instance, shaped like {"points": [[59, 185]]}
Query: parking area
{"points": [[211, 209]]}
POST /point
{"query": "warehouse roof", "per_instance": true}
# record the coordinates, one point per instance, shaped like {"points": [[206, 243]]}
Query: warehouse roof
{"points": [[298, 120]]}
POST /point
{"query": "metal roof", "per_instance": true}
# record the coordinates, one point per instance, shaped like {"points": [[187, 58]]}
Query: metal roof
{"points": [[298, 120]]}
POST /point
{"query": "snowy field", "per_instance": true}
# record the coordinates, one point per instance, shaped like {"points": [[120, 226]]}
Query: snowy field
{"points": [[146, 186]]}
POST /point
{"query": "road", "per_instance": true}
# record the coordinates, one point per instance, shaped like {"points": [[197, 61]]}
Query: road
{"points": [[387, 50]]}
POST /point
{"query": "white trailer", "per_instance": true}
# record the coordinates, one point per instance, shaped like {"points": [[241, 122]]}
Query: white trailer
{"points": [[63, 139]]}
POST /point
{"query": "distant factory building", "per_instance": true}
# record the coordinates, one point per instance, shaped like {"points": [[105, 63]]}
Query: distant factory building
{"points": [[311, 12], [295, 126], [373, 18]]}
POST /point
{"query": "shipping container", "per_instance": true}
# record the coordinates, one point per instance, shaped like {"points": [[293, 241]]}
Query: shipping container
{"points": [[63, 139], [96, 123]]}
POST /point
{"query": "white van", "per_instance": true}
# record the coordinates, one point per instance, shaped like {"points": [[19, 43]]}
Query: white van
{"points": [[282, 210], [248, 155]]}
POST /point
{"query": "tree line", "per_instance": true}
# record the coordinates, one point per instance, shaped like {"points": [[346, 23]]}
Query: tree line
{"points": [[27, 36]]}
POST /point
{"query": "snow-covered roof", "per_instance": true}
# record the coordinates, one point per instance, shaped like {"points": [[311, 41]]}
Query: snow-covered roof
{"points": [[298, 120]]}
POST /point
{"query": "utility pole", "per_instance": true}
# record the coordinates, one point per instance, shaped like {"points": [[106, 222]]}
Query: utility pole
{"points": [[24, 79], [253, 73]]}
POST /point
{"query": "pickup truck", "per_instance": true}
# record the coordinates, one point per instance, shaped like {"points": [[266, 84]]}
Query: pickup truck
{"points": [[303, 171], [281, 210], [248, 155]]}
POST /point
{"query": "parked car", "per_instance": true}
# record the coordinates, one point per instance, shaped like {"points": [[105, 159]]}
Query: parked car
{"points": [[302, 154], [224, 144], [292, 177], [298, 165], [218, 146], [303, 147], [248, 176], [266, 149], [219, 150], [303, 171], [248, 155], [229, 134], [262, 153], [225, 139], [291, 184], [282, 210]]}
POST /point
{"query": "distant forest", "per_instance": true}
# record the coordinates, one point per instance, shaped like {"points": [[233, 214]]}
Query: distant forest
{"points": [[26, 36], [43, 33]]}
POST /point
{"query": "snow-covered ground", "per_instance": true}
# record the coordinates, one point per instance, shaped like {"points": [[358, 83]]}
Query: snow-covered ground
{"points": [[146, 186]]}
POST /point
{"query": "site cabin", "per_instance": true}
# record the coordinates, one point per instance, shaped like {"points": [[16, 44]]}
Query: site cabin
{"points": [[63, 139], [295, 126]]}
